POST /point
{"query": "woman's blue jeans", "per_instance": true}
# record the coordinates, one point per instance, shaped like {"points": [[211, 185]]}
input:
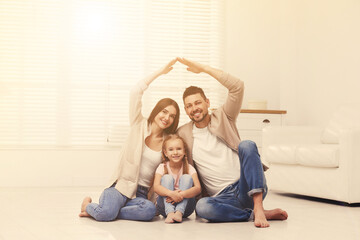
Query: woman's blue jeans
{"points": [[113, 205], [186, 206], [235, 202]]}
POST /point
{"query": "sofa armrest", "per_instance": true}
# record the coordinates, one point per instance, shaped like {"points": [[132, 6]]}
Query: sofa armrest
{"points": [[285, 139], [349, 142], [291, 135]]}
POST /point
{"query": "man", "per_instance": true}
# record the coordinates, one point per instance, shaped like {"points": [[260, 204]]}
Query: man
{"points": [[236, 188]]}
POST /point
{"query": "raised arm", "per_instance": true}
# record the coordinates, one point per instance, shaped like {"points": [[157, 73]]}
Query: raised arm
{"points": [[235, 86], [137, 92]]}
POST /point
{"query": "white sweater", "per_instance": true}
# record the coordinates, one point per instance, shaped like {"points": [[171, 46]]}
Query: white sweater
{"points": [[127, 172]]}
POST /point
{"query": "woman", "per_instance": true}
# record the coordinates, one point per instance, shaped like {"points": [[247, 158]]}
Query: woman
{"points": [[126, 198]]}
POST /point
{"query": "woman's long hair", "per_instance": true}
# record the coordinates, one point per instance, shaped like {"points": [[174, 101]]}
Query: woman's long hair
{"points": [[166, 159], [163, 103]]}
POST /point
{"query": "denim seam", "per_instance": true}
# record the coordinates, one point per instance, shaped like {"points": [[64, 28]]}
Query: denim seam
{"points": [[251, 218], [254, 191]]}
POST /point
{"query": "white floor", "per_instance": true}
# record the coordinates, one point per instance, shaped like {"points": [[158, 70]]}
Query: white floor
{"points": [[44, 213]]}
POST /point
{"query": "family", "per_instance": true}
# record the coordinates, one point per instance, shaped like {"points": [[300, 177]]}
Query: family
{"points": [[204, 157]]}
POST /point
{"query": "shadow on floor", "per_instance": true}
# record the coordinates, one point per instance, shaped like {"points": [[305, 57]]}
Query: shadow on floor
{"points": [[315, 199]]}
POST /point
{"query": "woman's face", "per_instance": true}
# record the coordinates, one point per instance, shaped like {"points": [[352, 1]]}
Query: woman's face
{"points": [[165, 117]]}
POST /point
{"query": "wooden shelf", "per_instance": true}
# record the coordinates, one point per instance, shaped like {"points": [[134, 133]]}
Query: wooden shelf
{"points": [[264, 111]]}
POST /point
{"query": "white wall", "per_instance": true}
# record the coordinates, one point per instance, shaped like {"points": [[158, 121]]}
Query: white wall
{"points": [[252, 48], [319, 57], [302, 56], [33, 168]]}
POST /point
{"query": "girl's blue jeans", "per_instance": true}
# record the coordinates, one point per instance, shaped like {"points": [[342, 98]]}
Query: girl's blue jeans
{"points": [[235, 202], [186, 206], [114, 205]]}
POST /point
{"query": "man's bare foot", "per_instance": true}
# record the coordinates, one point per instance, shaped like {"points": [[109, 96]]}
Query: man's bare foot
{"points": [[85, 202], [260, 219], [276, 214], [170, 218], [178, 217]]}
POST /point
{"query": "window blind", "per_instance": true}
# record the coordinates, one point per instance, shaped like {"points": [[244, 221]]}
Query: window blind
{"points": [[66, 67]]}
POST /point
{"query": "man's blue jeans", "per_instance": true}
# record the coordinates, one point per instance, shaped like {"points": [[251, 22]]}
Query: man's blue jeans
{"points": [[113, 205], [235, 202], [186, 206]]}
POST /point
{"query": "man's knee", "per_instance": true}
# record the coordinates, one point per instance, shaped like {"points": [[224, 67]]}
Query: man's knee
{"points": [[204, 208], [247, 146]]}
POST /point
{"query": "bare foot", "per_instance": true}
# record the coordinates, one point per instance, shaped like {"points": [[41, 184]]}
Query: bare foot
{"points": [[170, 218], [178, 217], [85, 202], [260, 219], [276, 214]]}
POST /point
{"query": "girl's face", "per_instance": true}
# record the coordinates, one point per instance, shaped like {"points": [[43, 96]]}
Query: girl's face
{"points": [[175, 150], [165, 117]]}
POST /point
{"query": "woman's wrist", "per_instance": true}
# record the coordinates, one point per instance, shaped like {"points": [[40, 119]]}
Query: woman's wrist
{"points": [[207, 69]]}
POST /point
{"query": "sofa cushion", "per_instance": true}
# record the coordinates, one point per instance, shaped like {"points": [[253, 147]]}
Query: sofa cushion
{"points": [[346, 116], [281, 153], [318, 155]]}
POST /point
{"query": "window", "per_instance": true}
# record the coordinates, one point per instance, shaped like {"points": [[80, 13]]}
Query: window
{"points": [[66, 67]]}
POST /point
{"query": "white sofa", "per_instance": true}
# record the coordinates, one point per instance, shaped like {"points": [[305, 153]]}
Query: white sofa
{"points": [[314, 161]]}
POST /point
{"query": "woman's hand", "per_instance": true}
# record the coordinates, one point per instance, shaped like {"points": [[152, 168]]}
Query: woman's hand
{"points": [[194, 67], [164, 70], [168, 67]]}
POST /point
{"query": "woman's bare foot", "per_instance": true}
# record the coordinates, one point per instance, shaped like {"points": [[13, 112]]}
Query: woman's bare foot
{"points": [[85, 202], [178, 217], [276, 214], [170, 218], [260, 219]]}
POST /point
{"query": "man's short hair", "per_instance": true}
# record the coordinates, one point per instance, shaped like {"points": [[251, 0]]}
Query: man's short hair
{"points": [[193, 90]]}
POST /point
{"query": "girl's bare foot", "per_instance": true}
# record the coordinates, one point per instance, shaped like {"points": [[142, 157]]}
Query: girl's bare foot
{"points": [[170, 218], [85, 202], [276, 214], [178, 216]]}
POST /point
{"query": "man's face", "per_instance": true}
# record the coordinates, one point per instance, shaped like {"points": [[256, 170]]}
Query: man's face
{"points": [[196, 107]]}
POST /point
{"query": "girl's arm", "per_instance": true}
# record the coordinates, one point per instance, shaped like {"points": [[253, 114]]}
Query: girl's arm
{"points": [[164, 192], [193, 191]]}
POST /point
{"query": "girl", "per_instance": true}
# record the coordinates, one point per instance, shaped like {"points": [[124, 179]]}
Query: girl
{"points": [[126, 198], [176, 181]]}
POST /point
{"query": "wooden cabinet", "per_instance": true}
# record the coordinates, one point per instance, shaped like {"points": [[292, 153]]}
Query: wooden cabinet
{"points": [[251, 122]]}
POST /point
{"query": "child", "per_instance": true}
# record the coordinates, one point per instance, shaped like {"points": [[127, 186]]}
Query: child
{"points": [[176, 182]]}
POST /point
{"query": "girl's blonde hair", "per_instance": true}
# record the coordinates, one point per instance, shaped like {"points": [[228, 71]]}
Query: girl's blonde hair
{"points": [[166, 159]]}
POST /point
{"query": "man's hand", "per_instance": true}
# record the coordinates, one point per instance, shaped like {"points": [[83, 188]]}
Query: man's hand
{"points": [[194, 67]]}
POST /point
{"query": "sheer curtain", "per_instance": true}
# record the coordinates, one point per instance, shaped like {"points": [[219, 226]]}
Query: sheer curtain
{"points": [[66, 67]]}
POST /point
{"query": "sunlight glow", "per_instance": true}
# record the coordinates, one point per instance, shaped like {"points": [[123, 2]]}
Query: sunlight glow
{"points": [[94, 22]]}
